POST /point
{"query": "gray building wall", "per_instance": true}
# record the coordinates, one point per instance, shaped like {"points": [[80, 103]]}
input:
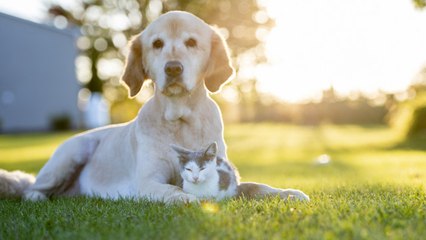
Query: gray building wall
{"points": [[37, 75]]}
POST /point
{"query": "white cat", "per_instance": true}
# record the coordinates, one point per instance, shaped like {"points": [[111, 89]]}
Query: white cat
{"points": [[206, 175]]}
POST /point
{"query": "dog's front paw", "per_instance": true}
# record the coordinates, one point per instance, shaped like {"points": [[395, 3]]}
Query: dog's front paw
{"points": [[301, 196], [34, 196], [293, 194]]}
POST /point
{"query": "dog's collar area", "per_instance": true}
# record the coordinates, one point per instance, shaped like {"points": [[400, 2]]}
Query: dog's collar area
{"points": [[175, 112], [177, 108]]}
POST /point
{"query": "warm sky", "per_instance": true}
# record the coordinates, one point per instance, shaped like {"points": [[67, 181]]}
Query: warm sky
{"points": [[352, 45]]}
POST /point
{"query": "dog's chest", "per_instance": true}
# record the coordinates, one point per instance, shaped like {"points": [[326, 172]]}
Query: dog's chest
{"points": [[193, 133], [177, 112]]}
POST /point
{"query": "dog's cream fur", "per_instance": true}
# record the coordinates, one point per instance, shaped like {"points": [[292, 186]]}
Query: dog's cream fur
{"points": [[134, 159]]}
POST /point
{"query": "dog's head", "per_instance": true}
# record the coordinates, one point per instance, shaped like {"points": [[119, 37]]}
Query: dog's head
{"points": [[177, 51]]}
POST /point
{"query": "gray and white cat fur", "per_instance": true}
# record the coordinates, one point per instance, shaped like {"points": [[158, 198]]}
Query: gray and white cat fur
{"points": [[206, 175]]}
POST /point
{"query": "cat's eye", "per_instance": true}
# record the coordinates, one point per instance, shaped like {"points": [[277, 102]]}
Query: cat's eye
{"points": [[158, 43], [202, 168], [188, 169]]}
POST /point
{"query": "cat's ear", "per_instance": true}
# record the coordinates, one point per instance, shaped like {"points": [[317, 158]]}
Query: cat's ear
{"points": [[180, 150], [211, 150]]}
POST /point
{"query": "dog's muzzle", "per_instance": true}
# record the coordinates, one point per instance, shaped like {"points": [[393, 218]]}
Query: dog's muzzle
{"points": [[174, 83]]}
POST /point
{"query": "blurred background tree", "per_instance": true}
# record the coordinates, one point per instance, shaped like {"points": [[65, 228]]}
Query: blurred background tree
{"points": [[420, 3], [409, 116]]}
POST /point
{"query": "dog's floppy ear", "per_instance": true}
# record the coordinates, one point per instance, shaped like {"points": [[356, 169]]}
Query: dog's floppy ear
{"points": [[134, 74], [220, 68]]}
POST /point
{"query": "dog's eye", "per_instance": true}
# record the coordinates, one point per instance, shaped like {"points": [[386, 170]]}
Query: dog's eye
{"points": [[191, 43], [157, 44]]}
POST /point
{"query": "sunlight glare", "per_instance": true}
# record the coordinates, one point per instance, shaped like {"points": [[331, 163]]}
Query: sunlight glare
{"points": [[369, 47], [209, 207]]}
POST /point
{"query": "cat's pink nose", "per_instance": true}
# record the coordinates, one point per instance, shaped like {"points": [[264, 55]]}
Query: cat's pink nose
{"points": [[195, 179]]}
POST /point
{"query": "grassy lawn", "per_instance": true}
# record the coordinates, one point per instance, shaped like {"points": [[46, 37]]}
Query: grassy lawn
{"points": [[373, 187]]}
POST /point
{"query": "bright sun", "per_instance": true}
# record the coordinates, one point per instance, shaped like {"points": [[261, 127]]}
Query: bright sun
{"points": [[369, 47]]}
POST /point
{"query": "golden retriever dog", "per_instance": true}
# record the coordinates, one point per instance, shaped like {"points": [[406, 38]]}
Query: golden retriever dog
{"points": [[186, 59]]}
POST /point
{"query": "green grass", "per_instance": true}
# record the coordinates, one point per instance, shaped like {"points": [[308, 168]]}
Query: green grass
{"points": [[373, 188]]}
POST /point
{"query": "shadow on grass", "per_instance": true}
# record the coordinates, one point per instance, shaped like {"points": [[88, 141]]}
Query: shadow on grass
{"points": [[411, 143]]}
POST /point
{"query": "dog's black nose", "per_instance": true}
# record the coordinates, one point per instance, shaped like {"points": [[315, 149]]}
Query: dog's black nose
{"points": [[173, 68]]}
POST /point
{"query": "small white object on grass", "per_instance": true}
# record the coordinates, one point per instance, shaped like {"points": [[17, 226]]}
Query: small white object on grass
{"points": [[323, 159]]}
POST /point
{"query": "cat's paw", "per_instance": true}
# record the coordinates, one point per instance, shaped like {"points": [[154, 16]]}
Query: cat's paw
{"points": [[181, 198], [294, 195]]}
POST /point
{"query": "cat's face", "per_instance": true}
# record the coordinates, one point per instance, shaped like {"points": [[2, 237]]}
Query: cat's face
{"points": [[192, 172], [197, 166]]}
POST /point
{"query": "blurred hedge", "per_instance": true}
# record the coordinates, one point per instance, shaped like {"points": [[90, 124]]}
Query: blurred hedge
{"points": [[410, 116]]}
